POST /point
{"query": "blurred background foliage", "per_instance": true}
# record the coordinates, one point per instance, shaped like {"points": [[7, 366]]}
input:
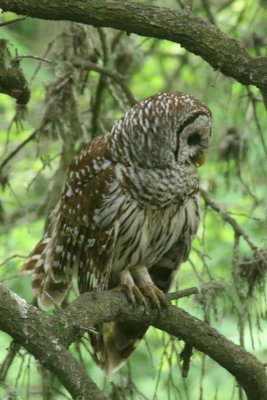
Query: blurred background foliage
{"points": [[70, 103]]}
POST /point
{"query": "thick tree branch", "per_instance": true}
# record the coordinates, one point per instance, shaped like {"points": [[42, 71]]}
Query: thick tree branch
{"points": [[47, 337], [198, 36], [37, 332]]}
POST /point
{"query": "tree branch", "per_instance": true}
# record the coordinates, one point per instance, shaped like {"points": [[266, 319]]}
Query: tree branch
{"points": [[37, 332], [12, 80], [198, 36], [47, 337]]}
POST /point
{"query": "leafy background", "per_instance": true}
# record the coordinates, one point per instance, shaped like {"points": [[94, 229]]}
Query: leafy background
{"points": [[64, 99]]}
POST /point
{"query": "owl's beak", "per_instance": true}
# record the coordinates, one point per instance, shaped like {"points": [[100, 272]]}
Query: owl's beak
{"points": [[201, 160]]}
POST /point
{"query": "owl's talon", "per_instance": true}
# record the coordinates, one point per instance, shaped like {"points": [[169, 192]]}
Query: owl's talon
{"points": [[132, 293], [133, 302], [159, 308], [145, 306], [156, 296]]}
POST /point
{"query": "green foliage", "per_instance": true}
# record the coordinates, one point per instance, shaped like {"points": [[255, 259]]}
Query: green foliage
{"points": [[237, 183]]}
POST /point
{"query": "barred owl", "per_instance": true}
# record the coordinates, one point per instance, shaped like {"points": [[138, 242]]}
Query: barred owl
{"points": [[127, 215]]}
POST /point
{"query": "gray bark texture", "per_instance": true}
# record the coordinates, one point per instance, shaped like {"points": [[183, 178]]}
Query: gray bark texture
{"points": [[48, 337], [195, 34]]}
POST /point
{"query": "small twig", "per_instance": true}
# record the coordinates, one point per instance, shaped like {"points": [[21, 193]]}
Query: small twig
{"points": [[186, 355], [11, 354], [11, 257], [18, 58], [12, 21], [244, 215], [182, 293], [112, 74], [49, 47], [206, 7], [239, 173], [257, 122], [99, 68], [226, 217], [101, 85], [17, 149], [120, 101]]}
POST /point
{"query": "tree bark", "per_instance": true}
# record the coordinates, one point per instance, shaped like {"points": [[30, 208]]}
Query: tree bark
{"points": [[48, 337], [195, 34], [12, 80]]}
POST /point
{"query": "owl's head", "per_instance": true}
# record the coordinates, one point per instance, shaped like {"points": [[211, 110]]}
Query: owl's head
{"points": [[167, 129]]}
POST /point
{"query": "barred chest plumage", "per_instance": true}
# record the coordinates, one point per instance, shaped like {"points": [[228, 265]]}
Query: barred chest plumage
{"points": [[146, 234], [151, 210]]}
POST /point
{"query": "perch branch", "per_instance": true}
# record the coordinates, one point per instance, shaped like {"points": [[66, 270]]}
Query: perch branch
{"points": [[47, 337], [34, 330]]}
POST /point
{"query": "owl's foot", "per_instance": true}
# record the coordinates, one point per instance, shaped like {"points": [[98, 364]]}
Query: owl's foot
{"points": [[146, 285], [138, 286], [156, 296], [133, 293]]}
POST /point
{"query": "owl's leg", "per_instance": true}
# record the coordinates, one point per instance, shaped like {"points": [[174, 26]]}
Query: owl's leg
{"points": [[138, 285], [144, 282]]}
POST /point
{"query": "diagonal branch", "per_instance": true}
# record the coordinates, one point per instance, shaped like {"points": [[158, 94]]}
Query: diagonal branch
{"points": [[47, 337], [198, 36], [37, 332]]}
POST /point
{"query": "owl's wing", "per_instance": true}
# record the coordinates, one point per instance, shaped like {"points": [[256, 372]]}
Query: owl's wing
{"points": [[74, 237]]}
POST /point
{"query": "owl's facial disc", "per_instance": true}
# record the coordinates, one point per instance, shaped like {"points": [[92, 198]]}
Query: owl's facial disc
{"points": [[193, 140]]}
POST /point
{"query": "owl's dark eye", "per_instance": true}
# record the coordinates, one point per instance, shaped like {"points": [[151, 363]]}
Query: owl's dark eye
{"points": [[194, 139]]}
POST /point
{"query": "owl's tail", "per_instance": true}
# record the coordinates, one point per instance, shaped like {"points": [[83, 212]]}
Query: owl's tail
{"points": [[115, 343], [117, 340], [49, 289]]}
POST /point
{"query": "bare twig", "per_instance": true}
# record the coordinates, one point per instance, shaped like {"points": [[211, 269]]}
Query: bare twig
{"points": [[182, 293], [11, 354], [18, 58], [18, 148], [254, 107], [226, 217], [12, 21], [110, 73], [101, 84], [206, 7], [11, 258]]}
